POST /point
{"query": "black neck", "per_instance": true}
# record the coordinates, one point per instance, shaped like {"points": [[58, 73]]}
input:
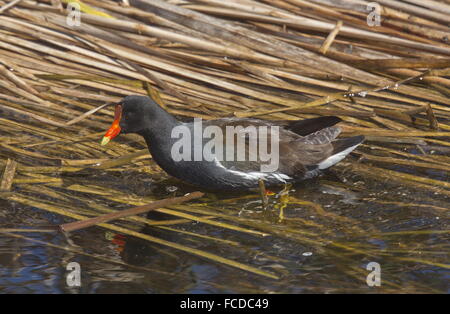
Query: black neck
{"points": [[161, 125]]}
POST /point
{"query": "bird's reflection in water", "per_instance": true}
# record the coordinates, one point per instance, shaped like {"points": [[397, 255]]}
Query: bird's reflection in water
{"points": [[142, 253]]}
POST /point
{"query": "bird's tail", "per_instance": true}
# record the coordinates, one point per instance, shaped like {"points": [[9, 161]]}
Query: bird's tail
{"points": [[341, 148]]}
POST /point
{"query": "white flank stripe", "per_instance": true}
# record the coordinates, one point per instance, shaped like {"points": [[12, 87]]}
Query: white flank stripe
{"points": [[254, 175]]}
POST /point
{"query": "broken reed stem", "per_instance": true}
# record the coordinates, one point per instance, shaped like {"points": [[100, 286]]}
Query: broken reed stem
{"points": [[9, 5], [8, 175], [327, 43], [77, 225], [432, 118]]}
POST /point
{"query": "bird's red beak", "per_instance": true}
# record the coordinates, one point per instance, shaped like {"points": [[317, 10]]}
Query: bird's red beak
{"points": [[114, 130]]}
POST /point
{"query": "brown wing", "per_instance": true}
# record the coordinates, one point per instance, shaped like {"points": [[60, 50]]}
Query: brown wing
{"points": [[297, 154], [308, 126]]}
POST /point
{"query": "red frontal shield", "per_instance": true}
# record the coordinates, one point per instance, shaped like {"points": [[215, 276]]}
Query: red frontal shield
{"points": [[114, 130]]}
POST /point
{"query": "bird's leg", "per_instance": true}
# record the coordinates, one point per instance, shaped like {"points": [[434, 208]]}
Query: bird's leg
{"points": [[263, 194], [284, 200]]}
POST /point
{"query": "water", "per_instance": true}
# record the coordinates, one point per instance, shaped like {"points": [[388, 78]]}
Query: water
{"points": [[308, 250]]}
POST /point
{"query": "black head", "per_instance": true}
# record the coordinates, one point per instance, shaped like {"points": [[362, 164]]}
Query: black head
{"points": [[138, 114]]}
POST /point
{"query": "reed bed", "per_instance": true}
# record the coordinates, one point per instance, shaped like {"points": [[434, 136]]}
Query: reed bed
{"points": [[271, 59]]}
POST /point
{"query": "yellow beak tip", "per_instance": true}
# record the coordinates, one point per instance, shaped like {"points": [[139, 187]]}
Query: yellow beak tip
{"points": [[105, 140]]}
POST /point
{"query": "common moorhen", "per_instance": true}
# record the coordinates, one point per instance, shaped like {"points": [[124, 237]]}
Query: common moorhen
{"points": [[299, 149]]}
